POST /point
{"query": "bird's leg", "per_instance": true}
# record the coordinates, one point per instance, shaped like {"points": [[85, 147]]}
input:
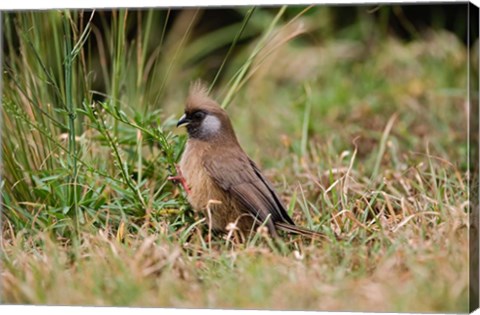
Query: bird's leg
{"points": [[179, 178]]}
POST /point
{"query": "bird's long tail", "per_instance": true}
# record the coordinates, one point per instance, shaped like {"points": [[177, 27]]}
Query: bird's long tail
{"points": [[299, 230]]}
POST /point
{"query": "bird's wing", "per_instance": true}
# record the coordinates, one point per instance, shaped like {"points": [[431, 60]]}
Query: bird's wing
{"points": [[280, 208], [238, 175]]}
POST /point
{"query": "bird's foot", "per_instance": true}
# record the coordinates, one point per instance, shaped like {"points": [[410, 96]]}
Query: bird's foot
{"points": [[180, 179]]}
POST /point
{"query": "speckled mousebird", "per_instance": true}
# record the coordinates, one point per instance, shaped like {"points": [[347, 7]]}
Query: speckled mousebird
{"points": [[219, 174]]}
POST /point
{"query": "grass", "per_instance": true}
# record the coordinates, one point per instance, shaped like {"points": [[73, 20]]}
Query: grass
{"points": [[364, 138]]}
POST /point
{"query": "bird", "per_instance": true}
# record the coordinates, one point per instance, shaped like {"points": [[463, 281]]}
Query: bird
{"points": [[219, 177]]}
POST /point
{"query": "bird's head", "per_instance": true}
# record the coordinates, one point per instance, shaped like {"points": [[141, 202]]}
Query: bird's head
{"points": [[203, 117]]}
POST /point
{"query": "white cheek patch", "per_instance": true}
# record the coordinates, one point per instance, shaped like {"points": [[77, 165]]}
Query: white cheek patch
{"points": [[210, 125]]}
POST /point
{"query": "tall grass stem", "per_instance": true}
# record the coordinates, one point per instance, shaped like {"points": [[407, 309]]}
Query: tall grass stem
{"points": [[70, 107]]}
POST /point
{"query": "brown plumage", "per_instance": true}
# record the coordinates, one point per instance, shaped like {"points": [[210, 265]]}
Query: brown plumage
{"points": [[222, 179]]}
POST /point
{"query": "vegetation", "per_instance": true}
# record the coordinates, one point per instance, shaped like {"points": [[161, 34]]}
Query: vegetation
{"points": [[362, 133]]}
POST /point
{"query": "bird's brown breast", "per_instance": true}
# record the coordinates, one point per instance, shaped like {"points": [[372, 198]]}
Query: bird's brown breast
{"points": [[205, 195]]}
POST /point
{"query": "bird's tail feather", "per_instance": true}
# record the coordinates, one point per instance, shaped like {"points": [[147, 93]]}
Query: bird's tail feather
{"points": [[299, 230]]}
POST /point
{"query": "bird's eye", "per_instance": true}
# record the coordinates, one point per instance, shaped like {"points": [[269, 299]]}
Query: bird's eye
{"points": [[198, 115]]}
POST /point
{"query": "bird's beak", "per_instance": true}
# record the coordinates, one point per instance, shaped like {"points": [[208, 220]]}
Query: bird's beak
{"points": [[183, 121]]}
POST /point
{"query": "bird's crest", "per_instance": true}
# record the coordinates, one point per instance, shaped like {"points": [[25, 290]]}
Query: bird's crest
{"points": [[198, 97], [198, 88]]}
